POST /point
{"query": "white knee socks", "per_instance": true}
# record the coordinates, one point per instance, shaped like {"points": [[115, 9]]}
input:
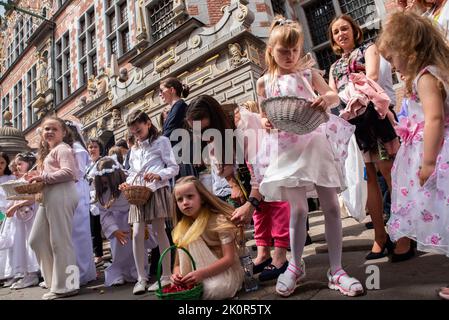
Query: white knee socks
{"points": [[164, 243]]}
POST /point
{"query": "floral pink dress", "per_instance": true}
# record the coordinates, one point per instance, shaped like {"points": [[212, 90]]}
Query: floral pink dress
{"points": [[421, 213], [316, 158]]}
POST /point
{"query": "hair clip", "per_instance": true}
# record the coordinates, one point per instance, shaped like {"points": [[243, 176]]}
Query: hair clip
{"points": [[283, 21]]}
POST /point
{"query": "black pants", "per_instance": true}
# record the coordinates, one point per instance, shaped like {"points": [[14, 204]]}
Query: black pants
{"points": [[97, 240]]}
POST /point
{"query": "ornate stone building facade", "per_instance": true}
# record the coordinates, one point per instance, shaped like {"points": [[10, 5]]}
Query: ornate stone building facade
{"points": [[95, 60]]}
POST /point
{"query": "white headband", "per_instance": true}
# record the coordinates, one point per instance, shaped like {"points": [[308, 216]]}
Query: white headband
{"points": [[115, 166]]}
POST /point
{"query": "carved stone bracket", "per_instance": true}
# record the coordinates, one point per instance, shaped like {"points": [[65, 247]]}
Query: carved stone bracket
{"points": [[238, 57], [165, 61]]}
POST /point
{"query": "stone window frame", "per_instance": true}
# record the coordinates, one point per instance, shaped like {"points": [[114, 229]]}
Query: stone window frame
{"points": [[63, 77], [170, 26], [30, 95], [120, 36], [87, 59], [5, 106], [17, 105], [322, 51]]}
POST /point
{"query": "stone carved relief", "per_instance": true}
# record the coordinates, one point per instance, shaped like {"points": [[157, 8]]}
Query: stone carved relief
{"points": [[238, 56], [116, 119], [41, 73]]}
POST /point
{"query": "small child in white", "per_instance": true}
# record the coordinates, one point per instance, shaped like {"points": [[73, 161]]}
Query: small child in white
{"points": [[114, 210]]}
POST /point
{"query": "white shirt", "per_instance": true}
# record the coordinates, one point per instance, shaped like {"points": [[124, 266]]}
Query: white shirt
{"points": [[156, 158], [385, 79]]}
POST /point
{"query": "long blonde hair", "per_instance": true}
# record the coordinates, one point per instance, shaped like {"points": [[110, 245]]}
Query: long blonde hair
{"points": [[287, 33], [188, 229], [417, 40]]}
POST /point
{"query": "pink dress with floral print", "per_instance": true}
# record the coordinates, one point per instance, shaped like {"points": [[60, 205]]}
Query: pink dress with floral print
{"points": [[316, 158], [421, 213]]}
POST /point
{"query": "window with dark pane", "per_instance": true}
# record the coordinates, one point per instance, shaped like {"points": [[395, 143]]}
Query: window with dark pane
{"points": [[94, 64], [123, 13], [63, 68], [84, 72], [278, 7], [319, 14], [5, 106], [325, 57], [112, 23], [370, 35], [17, 106], [31, 95], [362, 11], [161, 16], [87, 44], [125, 40], [118, 39]]}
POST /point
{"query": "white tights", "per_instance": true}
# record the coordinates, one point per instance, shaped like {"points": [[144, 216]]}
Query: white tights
{"points": [[298, 218], [140, 255]]}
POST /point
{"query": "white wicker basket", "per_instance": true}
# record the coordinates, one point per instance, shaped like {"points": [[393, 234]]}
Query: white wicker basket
{"points": [[293, 114], [11, 193]]}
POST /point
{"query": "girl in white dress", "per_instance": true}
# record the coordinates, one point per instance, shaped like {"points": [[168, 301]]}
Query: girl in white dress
{"points": [[302, 163], [114, 209], [152, 163], [420, 175]]}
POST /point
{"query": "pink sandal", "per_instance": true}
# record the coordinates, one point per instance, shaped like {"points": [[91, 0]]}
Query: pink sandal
{"points": [[444, 293], [286, 284], [345, 284]]}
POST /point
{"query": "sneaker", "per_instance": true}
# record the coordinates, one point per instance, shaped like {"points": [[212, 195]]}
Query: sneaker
{"points": [[10, 282], [140, 287], [165, 280], [43, 285], [118, 282], [30, 280], [54, 296]]}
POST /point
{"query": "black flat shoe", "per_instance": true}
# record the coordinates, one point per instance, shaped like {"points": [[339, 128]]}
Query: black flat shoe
{"points": [[271, 272], [388, 246], [258, 268], [404, 256]]}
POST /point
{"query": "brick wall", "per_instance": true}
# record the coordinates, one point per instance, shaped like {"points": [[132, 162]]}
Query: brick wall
{"points": [[214, 10]]}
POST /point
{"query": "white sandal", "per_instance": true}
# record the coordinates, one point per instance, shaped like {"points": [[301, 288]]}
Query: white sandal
{"points": [[345, 284], [289, 282]]}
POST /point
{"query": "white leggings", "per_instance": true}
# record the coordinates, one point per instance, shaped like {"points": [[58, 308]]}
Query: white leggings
{"points": [[140, 255], [298, 218]]}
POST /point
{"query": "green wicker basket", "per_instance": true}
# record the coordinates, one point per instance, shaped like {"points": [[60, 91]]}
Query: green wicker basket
{"points": [[192, 294]]}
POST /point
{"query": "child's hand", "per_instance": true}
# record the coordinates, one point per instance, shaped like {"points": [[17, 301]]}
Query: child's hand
{"points": [[192, 278], [320, 104], [176, 278], [150, 177], [242, 215], [425, 172], [121, 236], [123, 186], [10, 212], [266, 124]]}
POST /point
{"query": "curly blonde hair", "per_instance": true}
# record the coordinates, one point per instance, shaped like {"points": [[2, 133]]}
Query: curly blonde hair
{"points": [[417, 40]]}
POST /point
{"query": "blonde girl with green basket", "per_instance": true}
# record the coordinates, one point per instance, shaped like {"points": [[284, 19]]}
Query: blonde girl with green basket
{"points": [[203, 227]]}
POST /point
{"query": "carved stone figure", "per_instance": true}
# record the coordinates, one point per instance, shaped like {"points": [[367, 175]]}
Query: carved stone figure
{"points": [[91, 88], [237, 56], [41, 74], [123, 77], [101, 83], [116, 118]]}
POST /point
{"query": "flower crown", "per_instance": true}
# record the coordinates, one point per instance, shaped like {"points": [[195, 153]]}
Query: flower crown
{"points": [[115, 166], [282, 21]]}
